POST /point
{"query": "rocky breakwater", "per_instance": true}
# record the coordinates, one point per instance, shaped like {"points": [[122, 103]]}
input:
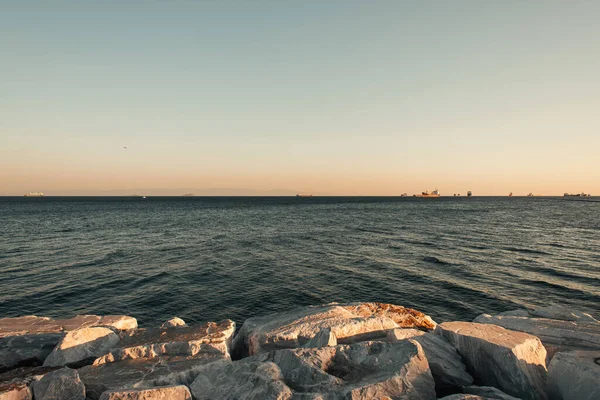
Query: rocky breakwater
{"points": [[333, 351]]}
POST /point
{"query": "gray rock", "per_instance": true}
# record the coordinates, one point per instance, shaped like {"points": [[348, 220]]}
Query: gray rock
{"points": [[488, 392], [31, 324], [58, 385], [366, 370], [464, 396], [80, 345], [514, 362], [26, 350], [575, 375], [555, 334], [446, 364], [176, 392], [174, 323], [141, 373], [350, 323], [190, 341], [322, 339]]}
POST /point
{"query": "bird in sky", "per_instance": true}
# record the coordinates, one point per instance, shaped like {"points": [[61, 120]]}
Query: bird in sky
{"points": [[124, 147]]}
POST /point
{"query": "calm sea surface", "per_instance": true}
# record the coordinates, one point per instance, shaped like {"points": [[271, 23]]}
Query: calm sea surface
{"points": [[205, 258]]}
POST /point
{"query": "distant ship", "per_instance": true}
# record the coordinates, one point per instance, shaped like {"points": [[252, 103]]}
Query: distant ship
{"points": [[189, 195], [404, 195], [469, 193], [36, 194], [304, 195], [577, 195], [510, 194], [435, 193], [530, 195]]}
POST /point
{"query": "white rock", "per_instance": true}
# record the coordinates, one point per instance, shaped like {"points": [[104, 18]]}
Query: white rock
{"points": [[189, 341], [173, 323], [176, 392], [514, 362], [575, 375], [59, 385], [349, 323], [79, 345], [366, 370], [32, 324], [322, 339], [446, 364], [118, 322]]}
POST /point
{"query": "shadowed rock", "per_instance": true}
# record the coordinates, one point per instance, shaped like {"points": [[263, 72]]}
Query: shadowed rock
{"points": [[446, 364], [575, 375], [173, 323], [512, 361], [349, 323], [190, 341], [32, 324], [15, 384], [142, 373], [322, 339], [488, 392], [366, 370], [177, 392], [58, 385], [80, 345], [26, 350]]}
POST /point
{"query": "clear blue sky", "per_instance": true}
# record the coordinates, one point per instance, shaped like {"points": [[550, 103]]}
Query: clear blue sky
{"points": [[336, 97]]}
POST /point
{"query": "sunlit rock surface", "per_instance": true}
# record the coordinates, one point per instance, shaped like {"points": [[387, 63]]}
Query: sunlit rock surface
{"points": [[514, 362], [349, 323], [80, 345], [190, 341], [32, 324], [173, 323], [366, 370], [177, 392]]}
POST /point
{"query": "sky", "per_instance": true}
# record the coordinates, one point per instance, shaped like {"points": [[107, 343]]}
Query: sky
{"points": [[332, 97]]}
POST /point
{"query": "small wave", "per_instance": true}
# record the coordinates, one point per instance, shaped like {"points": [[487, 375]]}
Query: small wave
{"points": [[526, 251], [373, 230], [436, 260], [65, 230]]}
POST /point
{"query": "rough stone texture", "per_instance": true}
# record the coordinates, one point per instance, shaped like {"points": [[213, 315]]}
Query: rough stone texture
{"points": [[177, 392], [31, 324], [575, 375], [142, 373], [366, 370], [464, 396], [15, 392], [446, 364], [512, 361], [26, 350], [488, 392], [24, 375], [566, 331], [59, 385], [349, 323], [191, 341], [80, 345], [173, 323], [322, 339]]}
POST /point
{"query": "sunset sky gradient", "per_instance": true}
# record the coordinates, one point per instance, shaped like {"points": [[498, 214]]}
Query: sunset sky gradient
{"points": [[277, 97]]}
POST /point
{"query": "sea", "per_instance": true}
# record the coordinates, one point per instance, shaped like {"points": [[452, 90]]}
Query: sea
{"points": [[211, 258]]}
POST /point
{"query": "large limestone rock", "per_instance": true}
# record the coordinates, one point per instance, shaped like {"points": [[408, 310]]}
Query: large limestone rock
{"points": [[176, 392], [58, 385], [142, 373], [575, 375], [191, 341], [80, 345], [558, 328], [26, 350], [446, 364], [349, 323], [514, 362], [31, 324], [16, 383], [173, 323], [366, 370]]}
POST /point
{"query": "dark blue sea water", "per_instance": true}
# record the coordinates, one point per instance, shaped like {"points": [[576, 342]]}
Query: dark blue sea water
{"points": [[214, 258]]}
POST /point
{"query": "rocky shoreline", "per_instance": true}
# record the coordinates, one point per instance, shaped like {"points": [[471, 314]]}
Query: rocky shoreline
{"points": [[333, 351]]}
